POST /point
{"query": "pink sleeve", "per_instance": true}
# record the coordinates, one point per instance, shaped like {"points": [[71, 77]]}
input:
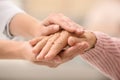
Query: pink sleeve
{"points": [[105, 56]]}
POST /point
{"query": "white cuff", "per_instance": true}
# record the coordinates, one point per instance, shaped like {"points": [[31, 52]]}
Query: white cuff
{"points": [[8, 11]]}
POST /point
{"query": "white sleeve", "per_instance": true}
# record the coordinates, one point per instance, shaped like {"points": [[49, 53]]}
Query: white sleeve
{"points": [[7, 11]]}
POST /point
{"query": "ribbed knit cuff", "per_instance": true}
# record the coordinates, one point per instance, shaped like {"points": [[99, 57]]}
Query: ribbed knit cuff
{"points": [[98, 46], [97, 56]]}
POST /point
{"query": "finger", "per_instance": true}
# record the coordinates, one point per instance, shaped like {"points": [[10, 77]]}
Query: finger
{"points": [[79, 30], [51, 29], [74, 50], [73, 40], [47, 47], [63, 21], [58, 45], [73, 55], [84, 46], [35, 40], [69, 51], [37, 48]]}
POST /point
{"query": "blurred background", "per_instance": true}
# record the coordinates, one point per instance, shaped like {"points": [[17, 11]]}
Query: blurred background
{"points": [[96, 15]]}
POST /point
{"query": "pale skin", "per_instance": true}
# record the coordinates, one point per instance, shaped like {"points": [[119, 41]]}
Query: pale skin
{"points": [[27, 26], [20, 50]]}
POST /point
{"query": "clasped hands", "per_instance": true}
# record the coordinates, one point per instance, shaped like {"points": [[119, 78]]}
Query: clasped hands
{"points": [[59, 47]]}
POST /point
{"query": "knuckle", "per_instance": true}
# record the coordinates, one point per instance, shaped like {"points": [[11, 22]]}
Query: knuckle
{"points": [[50, 40], [65, 33]]}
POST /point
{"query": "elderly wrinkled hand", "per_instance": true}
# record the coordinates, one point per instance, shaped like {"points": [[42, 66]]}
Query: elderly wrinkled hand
{"points": [[55, 47]]}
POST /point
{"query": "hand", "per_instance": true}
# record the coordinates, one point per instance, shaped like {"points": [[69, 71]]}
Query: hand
{"points": [[62, 57], [27, 26], [85, 42], [64, 23], [59, 42], [38, 43], [26, 51], [55, 45], [88, 37], [55, 22], [78, 46], [73, 51], [23, 50], [49, 49]]}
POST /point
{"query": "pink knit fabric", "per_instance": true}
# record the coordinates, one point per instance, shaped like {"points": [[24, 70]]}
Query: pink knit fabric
{"points": [[105, 56]]}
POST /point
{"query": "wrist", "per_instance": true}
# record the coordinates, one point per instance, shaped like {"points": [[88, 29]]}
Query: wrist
{"points": [[18, 51], [15, 50], [10, 51], [91, 39], [38, 28]]}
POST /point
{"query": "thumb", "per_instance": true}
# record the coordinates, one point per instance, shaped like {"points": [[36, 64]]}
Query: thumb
{"points": [[74, 40]]}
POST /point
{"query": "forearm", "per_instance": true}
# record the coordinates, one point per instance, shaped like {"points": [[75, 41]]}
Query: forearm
{"points": [[8, 10], [24, 25], [10, 49], [15, 21]]}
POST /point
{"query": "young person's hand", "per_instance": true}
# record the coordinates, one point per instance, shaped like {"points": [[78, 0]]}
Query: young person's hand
{"points": [[27, 26], [55, 22]]}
